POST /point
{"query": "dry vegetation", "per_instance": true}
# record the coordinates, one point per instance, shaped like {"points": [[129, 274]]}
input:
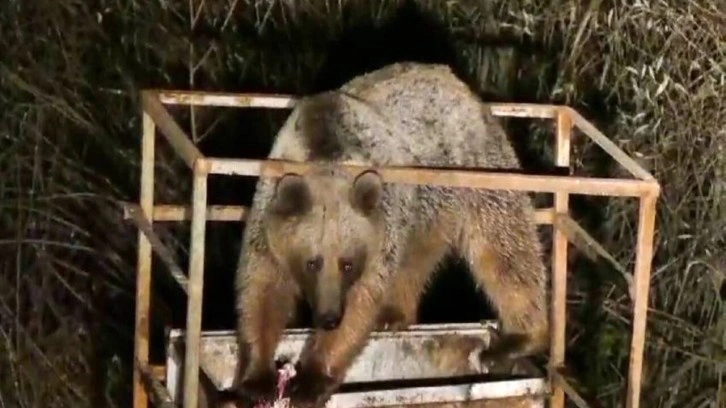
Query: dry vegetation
{"points": [[652, 75]]}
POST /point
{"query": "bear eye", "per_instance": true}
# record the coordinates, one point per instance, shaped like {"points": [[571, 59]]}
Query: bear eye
{"points": [[314, 264], [346, 266]]}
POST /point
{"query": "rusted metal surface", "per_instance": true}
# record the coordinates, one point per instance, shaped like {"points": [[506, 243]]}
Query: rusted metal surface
{"points": [[446, 177], [423, 352], [195, 289], [143, 262], [559, 259], [643, 260]]}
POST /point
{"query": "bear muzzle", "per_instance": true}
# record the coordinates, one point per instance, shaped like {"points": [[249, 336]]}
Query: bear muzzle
{"points": [[328, 321]]}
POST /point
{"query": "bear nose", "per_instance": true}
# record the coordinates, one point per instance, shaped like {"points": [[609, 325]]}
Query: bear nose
{"points": [[329, 321]]}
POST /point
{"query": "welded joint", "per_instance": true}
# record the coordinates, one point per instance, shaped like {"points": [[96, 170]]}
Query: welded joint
{"points": [[147, 94], [565, 112], [202, 166], [653, 190]]}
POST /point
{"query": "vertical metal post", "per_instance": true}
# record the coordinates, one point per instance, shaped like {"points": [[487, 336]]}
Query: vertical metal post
{"points": [[559, 263], [643, 262], [143, 262], [196, 285]]}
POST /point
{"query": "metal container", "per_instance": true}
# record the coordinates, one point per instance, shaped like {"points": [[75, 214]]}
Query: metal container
{"points": [[428, 363]]}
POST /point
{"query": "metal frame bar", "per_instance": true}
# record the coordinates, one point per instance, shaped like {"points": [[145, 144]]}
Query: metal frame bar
{"points": [[143, 265], [559, 262], [643, 265], [512, 110], [236, 213], [644, 186], [443, 177], [195, 288]]}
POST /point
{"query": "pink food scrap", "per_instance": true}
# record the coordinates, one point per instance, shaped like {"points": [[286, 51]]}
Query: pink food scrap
{"points": [[284, 375]]}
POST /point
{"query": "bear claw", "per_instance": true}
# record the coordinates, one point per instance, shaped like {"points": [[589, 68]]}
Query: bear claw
{"points": [[392, 319]]}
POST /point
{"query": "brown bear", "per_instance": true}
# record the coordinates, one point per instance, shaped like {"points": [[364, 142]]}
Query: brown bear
{"points": [[360, 251]]}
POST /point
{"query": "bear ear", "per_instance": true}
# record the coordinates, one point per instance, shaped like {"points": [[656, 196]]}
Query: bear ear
{"points": [[292, 196], [366, 191]]}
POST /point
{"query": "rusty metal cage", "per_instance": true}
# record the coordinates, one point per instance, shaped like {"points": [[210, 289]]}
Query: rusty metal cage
{"points": [[642, 185]]}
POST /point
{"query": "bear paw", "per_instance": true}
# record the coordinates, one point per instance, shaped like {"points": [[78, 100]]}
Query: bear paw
{"points": [[392, 319], [503, 352], [311, 388], [495, 363], [260, 386]]}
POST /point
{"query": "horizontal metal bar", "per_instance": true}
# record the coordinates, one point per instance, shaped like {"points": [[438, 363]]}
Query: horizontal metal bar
{"points": [[225, 99], [283, 101], [236, 213], [523, 110], [610, 148], [440, 394], [169, 212], [179, 140], [463, 178], [133, 211]]}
